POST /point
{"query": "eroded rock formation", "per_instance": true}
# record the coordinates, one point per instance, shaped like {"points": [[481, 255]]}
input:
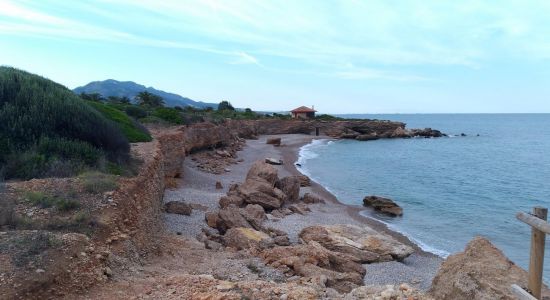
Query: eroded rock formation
{"points": [[384, 205], [480, 272]]}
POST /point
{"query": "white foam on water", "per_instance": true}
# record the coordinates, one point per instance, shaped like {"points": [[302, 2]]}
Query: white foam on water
{"points": [[307, 152]]}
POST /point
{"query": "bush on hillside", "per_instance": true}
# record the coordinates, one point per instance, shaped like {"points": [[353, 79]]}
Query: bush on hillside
{"points": [[36, 113], [134, 133], [169, 115]]}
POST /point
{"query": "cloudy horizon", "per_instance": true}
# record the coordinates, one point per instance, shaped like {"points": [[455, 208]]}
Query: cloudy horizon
{"points": [[341, 56]]}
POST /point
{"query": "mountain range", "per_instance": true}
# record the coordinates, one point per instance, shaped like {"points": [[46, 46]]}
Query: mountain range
{"points": [[130, 89]]}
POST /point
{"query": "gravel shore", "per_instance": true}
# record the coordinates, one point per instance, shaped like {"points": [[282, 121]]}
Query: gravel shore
{"points": [[199, 188]]}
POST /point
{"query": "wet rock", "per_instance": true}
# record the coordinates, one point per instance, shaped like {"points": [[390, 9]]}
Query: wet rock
{"points": [[426, 132], [367, 137], [363, 243], [384, 205], [480, 272], [310, 198], [290, 186], [219, 185], [244, 238], [178, 207]]}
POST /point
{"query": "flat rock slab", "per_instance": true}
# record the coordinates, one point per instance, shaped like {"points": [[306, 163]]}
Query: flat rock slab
{"points": [[363, 243]]}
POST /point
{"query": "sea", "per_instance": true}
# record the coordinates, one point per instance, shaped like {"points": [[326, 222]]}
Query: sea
{"points": [[451, 188]]}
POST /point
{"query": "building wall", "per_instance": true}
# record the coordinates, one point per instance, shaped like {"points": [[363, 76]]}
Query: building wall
{"points": [[303, 115]]}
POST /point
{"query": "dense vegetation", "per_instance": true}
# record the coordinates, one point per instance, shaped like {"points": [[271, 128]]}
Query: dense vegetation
{"points": [[46, 130]]}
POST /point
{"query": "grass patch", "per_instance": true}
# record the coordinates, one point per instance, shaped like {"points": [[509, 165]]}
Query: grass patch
{"points": [[97, 182], [45, 201]]}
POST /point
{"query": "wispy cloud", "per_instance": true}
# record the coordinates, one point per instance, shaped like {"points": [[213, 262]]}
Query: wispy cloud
{"points": [[318, 35]]}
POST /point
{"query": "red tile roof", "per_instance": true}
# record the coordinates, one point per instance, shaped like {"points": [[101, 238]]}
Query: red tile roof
{"points": [[303, 109]]}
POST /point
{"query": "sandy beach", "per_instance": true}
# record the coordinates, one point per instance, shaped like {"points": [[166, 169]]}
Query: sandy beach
{"points": [[199, 189]]}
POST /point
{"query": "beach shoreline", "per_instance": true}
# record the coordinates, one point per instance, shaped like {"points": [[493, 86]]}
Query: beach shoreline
{"points": [[291, 153], [198, 187]]}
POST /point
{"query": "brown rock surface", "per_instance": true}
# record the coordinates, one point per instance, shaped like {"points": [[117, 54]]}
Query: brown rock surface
{"points": [[274, 141], [244, 238], [384, 205], [290, 185], [480, 272], [304, 180], [178, 207], [313, 260], [264, 171], [256, 190], [363, 243]]}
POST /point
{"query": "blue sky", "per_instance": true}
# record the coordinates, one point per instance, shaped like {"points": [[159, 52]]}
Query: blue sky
{"points": [[341, 56]]}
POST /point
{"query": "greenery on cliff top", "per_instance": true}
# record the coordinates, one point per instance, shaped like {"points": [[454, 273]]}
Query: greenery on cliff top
{"points": [[49, 131]]}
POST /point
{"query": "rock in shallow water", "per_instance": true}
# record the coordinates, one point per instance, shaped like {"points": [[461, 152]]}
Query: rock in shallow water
{"points": [[384, 205]]}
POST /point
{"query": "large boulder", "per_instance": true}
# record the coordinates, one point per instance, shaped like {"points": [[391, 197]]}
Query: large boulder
{"points": [[254, 214], [384, 205], [256, 190], [178, 207], [290, 185], [480, 272], [264, 171], [244, 238], [231, 217], [364, 244]]}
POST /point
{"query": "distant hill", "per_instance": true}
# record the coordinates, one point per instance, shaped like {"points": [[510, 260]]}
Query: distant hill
{"points": [[130, 89]]}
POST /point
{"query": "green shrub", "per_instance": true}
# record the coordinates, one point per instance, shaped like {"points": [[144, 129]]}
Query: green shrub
{"points": [[66, 204], [135, 111], [96, 182], [169, 115], [133, 133], [34, 108]]}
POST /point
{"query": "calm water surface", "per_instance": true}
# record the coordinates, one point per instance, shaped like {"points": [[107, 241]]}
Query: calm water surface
{"points": [[453, 188]]}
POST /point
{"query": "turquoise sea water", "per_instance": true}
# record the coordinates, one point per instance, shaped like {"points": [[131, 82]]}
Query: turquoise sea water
{"points": [[451, 188]]}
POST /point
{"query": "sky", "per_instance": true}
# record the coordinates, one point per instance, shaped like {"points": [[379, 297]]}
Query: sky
{"points": [[340, 56]]}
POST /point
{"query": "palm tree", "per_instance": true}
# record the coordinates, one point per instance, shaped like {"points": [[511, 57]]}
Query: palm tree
{"points": [[147, 99]]}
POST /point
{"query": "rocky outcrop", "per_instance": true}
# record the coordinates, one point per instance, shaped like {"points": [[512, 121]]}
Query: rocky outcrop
{"points": [[384, 205], [313, 260], [363, 244], [346, 129], [480, 272], [178, 207]]}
